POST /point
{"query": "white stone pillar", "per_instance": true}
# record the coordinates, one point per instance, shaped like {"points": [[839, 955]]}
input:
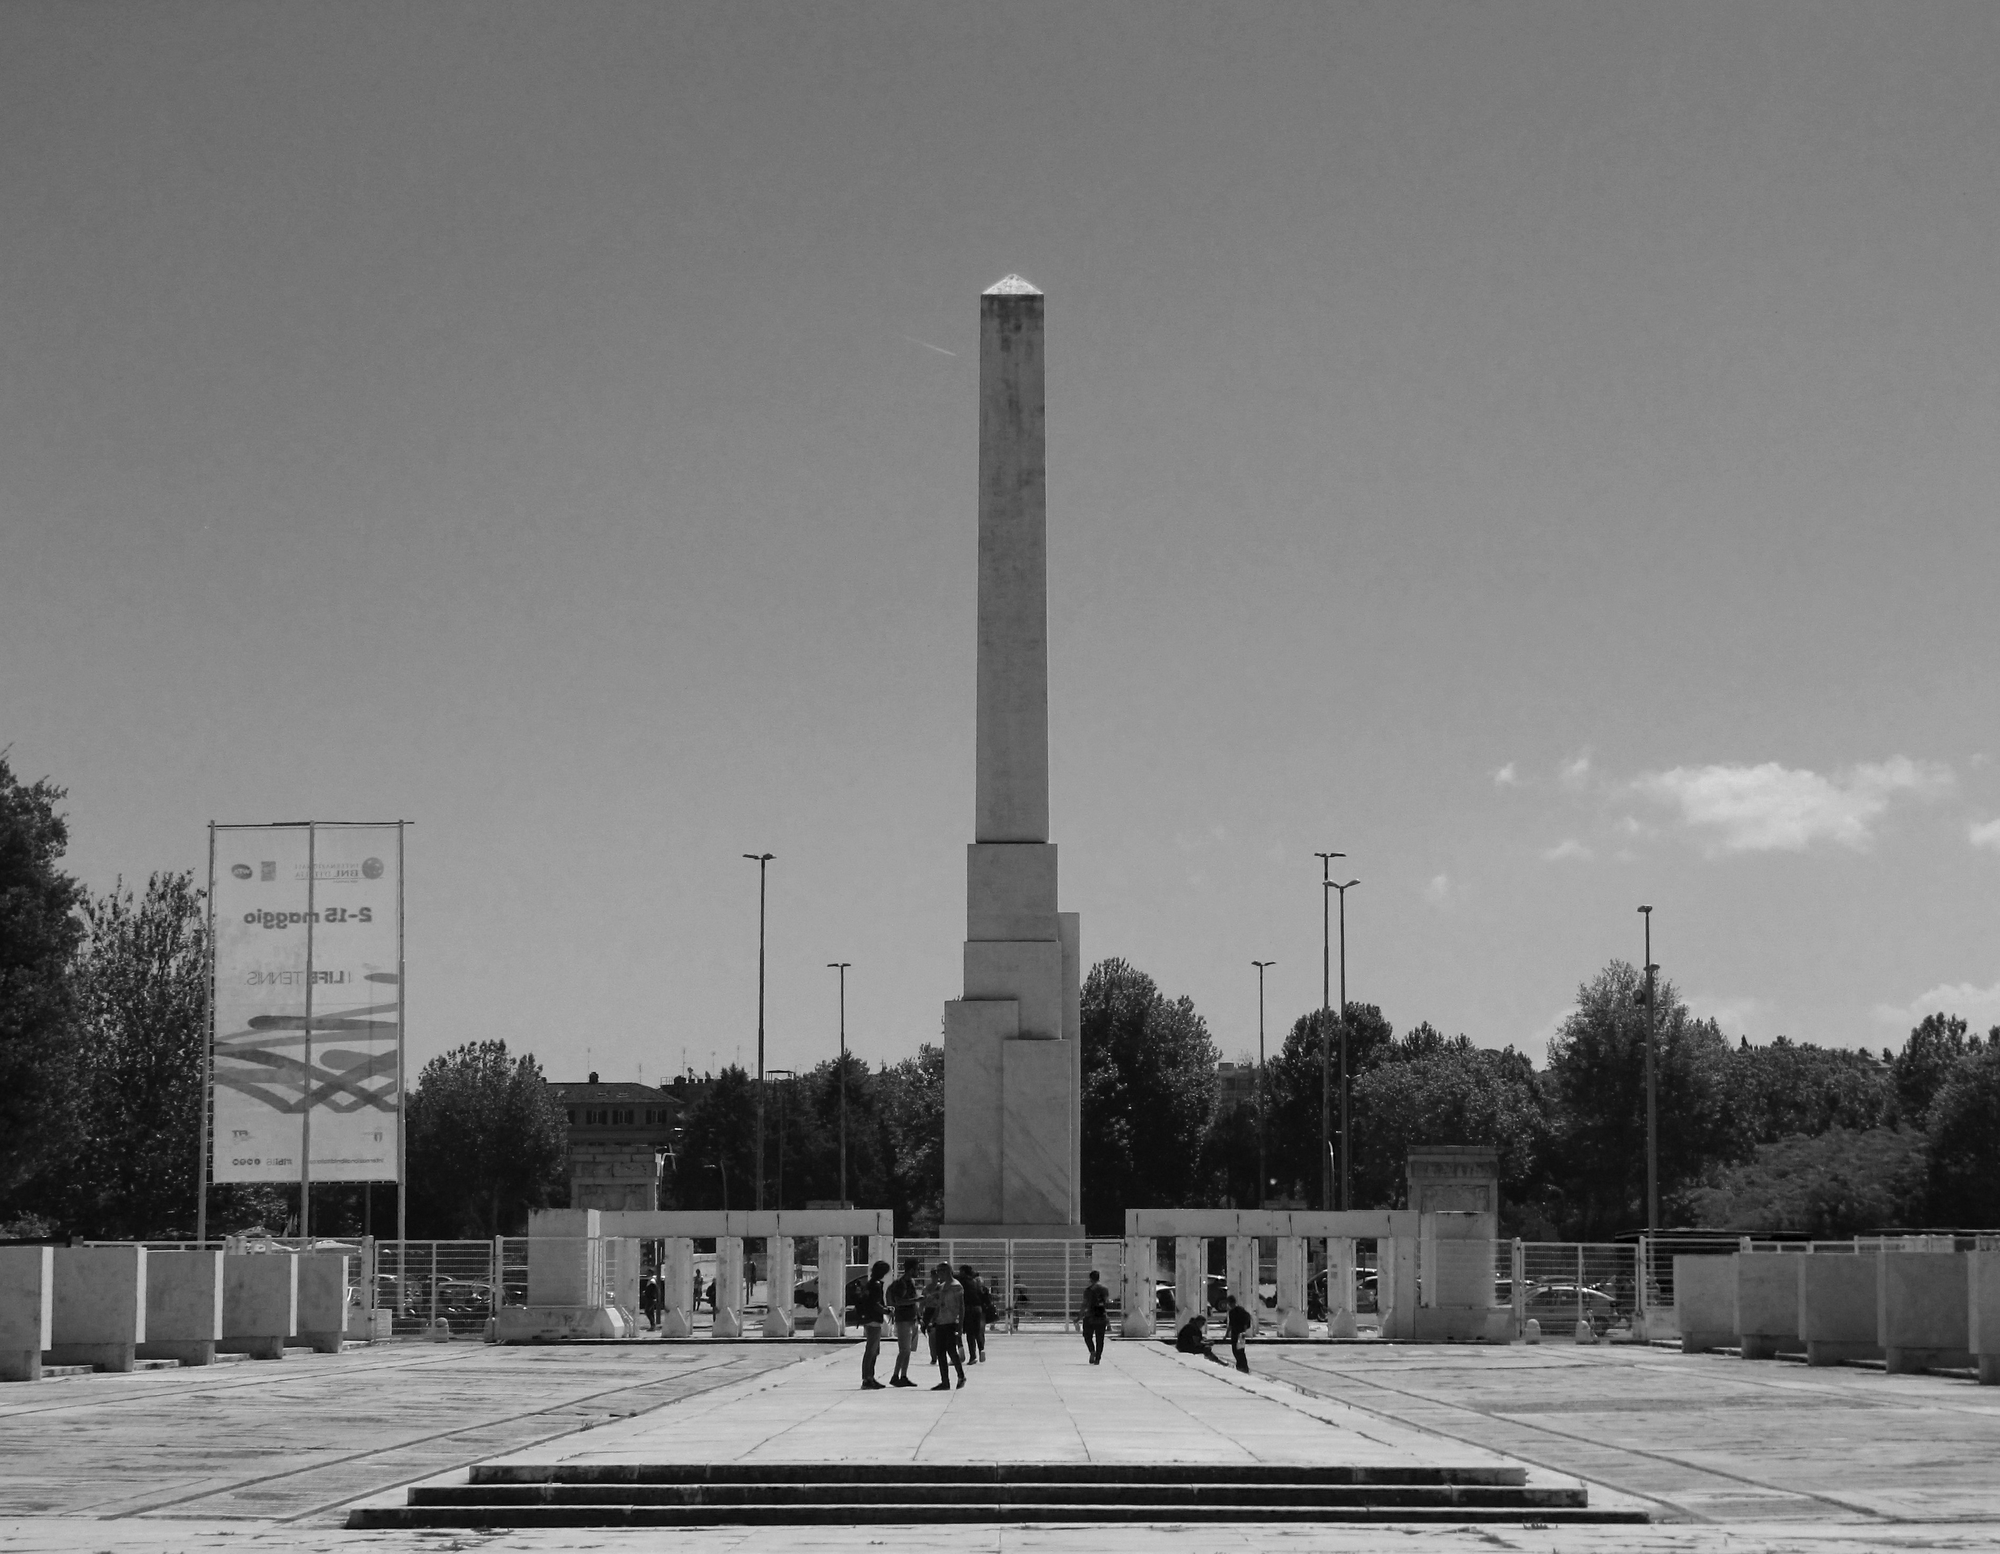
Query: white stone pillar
{"points": [[27, 1309], [1240, 1276], [677, 1287], [780, 1262], [728, 1287], [832, 1319], [1190, 1278], [1396, 1286], [1340, 1287], [1292, 1263], [1138, 1297]]}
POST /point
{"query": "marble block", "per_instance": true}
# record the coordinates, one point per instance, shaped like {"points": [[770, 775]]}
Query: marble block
{"points": [[1137, 1297], [1982, 1299], [832, 1319], [974, 1033], [1010, 891], [1190, 1277], [260, 1303], [1767, 1303], [677, 1280], [1025, 971], [728, 1287], [780, 1270], [1922, 1312], [559, 1262], [1035, 1133], [100, 1306], [1291, 1311], [183, 1307], [1240, 1276], [1837, 1294], [27, 1309], [1705, 1301], [323, 1305]]}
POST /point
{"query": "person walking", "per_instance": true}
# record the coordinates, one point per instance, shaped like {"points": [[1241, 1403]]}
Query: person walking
{"points": [[649, 1301], [902, 1299], [1240, 1324], [1096, 1316], [948, 1316], [871, 1308], [978, 1309], [696, 1304]]}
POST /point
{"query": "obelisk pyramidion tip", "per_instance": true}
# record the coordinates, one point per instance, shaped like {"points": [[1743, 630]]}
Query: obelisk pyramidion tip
{"points": [[1012, 286]]}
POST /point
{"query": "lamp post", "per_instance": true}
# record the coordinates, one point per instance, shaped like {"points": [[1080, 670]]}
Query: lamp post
{"points": [[841, 967], [788, 1074], [1652, 1088], [760, 859], [1263, 1094], [1326, 1200], [1344, 1157]]}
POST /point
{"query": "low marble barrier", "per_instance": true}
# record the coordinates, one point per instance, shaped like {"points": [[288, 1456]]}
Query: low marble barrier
{"points": [[27, 1309], [1982, 1299], [323, 1305], [1767, 1303], [183, 1307], [1922, 1311], [1705, 1298], [1837, 1296], [260, 1303], [100, 1306]]}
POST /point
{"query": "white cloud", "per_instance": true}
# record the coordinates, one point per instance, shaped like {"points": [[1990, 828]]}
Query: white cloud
{"points": [[1980, 1006], [1568, 848], [1439, 890], [1776, 808], [1736, 1016], [1987, 835], [1507, 777], [1575, 775]]}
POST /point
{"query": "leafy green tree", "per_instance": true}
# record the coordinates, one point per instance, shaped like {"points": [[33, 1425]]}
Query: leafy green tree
{"points": [[485, 1140], [1789, 1089], [1839, 1183], [716, 1167], [1596, 1081], [1926, 1062], [1229, 1158], [1148, 1092], [1964, 1126], [912, 1138], [40, 929], [1295, 1093]]}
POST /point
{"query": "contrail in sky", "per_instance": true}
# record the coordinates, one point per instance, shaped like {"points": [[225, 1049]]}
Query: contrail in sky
{"points": [[928, 346]]}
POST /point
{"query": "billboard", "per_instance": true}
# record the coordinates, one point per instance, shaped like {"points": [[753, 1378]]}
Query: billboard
{"points": [[308, 1006]]}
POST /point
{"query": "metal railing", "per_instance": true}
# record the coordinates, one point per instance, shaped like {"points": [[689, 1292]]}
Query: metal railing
{"points": [[1035, 1284]]}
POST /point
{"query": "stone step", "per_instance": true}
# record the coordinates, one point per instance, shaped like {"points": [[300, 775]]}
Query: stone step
{"points": [[991, 1473], [1155, 1496], [886, 1514]]}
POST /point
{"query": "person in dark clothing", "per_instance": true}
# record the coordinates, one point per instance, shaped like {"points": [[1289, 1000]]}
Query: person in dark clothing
{"points": [[902, 1300], [1193, 1338], [1240, 1324], [947, 1315], [872, 1308], [649, 1301], [1096, 1316], [978, 1310]]}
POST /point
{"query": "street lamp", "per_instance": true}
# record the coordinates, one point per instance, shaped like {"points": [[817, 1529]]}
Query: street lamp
{"points": [[1263, 1094], [1326, 1200], [841, 967], [782, 1073], [1652, 1089], [1345, 1161], [760, 859]]}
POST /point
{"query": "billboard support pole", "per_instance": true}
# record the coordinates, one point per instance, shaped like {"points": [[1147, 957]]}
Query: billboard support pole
{"points": [[306, 1082], [207, 1052], [402, 1096]]}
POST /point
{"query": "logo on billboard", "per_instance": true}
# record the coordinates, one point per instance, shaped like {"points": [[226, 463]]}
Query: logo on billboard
{"points": [[371, 869], [266, 872], [241, 870]]}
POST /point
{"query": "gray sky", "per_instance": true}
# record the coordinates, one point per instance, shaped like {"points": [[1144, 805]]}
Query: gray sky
{"points": [[1547, 452]]}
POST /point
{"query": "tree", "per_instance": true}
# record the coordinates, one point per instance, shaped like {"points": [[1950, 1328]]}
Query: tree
{"points": [[1790, 1089], [485, 1140], [912, 1134], [1837, 1184], [1964, 1127], [1148, 1092], [717, 1164], [39, 934], [1597, 1084], [1295, 1093], [1926, 1062]]}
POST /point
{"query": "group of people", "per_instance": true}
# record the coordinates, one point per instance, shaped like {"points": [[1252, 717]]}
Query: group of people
{"points": [[653, 1293], [1193, 1335], [951, 1311]]}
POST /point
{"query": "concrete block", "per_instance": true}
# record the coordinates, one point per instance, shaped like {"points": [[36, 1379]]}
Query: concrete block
{"points": [[1458, 1260], [1137, 1295], [1837, 1318], [779, 1267], [1027, 971], [1922, 1311], [100, 1306], [1010, 891], [183, 1307], [974, 1032], [1190, 1277], [323, 1303], [728, 1287], [677, 1277], [27, 1309], [1036, 1113], [832, 1319], [1705, 1298], [1396, 1287], [547, 1324], [1291, 1313], [1982, 1298], [260, 1303], [1767, 1303]]}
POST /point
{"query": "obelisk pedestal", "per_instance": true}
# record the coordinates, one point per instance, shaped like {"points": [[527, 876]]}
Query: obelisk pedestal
{"points": [[1013, 1075]]}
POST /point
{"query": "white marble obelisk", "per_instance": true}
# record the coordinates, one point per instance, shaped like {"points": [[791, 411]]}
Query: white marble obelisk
{"points": [[1013, 1074]]}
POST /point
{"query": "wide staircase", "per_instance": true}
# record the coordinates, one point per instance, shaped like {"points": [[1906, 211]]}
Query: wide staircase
{"points": [[530, 1495]]}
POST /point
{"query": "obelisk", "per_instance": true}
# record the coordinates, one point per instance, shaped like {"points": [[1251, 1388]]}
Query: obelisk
{"points": [[1012, 1070]]}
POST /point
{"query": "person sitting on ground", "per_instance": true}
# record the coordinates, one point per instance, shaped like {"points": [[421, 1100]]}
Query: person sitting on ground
{"points": [[902, 1298], [1193, 1337], [1240, 1325], [948, 1314]]}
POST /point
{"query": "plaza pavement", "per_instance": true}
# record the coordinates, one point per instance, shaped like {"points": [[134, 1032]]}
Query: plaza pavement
{"points": [[1728, 1454]]}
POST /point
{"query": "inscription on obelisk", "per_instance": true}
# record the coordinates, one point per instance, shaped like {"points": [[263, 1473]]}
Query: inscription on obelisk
{"points": [[1012, 1066]]}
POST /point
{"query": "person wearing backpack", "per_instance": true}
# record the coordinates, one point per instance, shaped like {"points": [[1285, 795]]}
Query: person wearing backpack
{"points": [[1096, 1316], [978, 1311], [1240, 1324]]}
